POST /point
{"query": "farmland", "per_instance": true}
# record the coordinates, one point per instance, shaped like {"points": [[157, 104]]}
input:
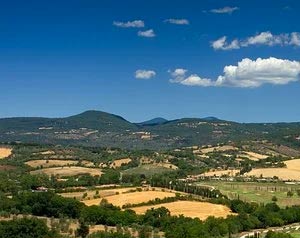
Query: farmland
{"points": [[126, 185], [291, 172], [193, 209], [258, 192], [5, 152], [131, 198], [68, 171], [50, 163]]}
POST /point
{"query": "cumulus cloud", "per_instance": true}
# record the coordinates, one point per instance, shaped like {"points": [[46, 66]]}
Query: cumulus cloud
{"points": [[130, 24], [222, 44], [263, 38], [178, 21], [144, 74], [246, 74], [224, 10], [149, 33]]}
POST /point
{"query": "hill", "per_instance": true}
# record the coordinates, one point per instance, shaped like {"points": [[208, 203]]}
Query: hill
{"points": [[154, 121], [96, 128]]}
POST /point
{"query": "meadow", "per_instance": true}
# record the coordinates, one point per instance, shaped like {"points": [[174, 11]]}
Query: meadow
{"points": [[258, 192]]}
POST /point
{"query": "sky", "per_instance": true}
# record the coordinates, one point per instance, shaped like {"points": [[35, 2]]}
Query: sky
{"points": [[235, 60]]}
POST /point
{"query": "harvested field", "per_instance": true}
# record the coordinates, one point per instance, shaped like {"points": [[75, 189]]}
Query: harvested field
{"points": [[48, 152], [281, 173], [119, 162], [50, 163], [131, 198], [5, 152], [293, 164], [253, 156], [218, 148], [102, 193], [291, 172], [68, 171], [193, 209], [219, 173]]}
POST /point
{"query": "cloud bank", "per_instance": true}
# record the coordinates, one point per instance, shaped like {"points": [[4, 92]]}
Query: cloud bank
{"points": [[263, 38], [144, 74], [246, 74], [130, 24]]}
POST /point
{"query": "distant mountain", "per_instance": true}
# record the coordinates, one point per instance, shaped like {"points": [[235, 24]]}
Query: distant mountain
{"points": [[154, 121], [96, 128], [90, 119], [98, 120], [211, 119]]}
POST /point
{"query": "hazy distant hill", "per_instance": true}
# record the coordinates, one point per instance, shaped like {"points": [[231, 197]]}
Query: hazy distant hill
{"points": [[154, 121], [95, 128]]}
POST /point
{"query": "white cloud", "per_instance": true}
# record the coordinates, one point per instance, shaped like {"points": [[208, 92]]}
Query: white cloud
{"points": [[221, 44], [178, 21], [130, 24], [263, 38], [246, 74], [144, 74], [295, 39], [224, 10], [149, 33]]}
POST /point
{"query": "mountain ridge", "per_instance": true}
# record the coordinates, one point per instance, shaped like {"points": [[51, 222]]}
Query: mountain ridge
{"points": [[97, 128]]}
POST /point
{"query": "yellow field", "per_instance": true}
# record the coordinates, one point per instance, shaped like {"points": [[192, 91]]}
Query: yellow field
{"points": [[102, 193], [118, 163], [48, 152], [281, 173], [253, 156], [50, 163], [293, 164], [131, 198], [68, 171], [5, 152], [192, 209], [219, 173], [218, 148], [55, 162], [291, 172]]}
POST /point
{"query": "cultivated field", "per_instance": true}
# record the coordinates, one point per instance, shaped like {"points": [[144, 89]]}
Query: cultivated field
{"points": [[281, 173], [253, 156], [102, 193], [131, 198], [291, 172], [193, 209], [219, 173], [147, 170], [293, 164], [5, 152], [218, 148], [119, 162], [68, 171], [257, 192], [50, 163]]}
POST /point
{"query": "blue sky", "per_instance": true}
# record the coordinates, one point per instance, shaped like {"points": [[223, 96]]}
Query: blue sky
{"points": [[60, 58]]}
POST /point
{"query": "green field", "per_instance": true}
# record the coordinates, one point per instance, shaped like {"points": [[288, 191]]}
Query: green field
{"points": [[257, 192], [147, 169]]}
